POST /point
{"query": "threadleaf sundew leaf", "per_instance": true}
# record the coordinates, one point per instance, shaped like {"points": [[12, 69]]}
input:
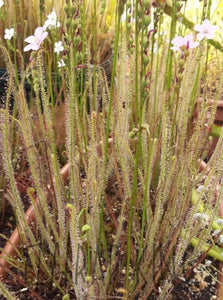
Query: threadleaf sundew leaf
{"points": [[110, 148]]}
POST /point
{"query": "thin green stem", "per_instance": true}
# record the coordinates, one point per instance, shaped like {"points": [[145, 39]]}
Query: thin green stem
{"points": [[94, 55], [115, 58], [168, 72], [137, 154]]}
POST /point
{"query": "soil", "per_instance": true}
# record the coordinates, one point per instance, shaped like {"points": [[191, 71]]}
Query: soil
{"points": [[200, 285]]}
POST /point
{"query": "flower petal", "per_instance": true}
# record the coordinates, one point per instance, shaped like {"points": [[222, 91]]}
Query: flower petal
{"points": [[35, 46], [175, 48], [30, 39], [209, 35], [198, 27], [27, 48], [194, 45], [38, 32], [44, 35], [178, 41], [188, 38], [200, 36], [207, 23]]}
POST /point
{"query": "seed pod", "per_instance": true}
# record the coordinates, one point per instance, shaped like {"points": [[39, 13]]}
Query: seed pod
{"points": [[146, 20]]}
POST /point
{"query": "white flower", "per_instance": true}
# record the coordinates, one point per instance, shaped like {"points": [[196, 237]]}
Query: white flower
{"points": [[206, 29], [35, 40], [61, 63], [9, 33], [1, 3], [51, 21], [58, 47]]}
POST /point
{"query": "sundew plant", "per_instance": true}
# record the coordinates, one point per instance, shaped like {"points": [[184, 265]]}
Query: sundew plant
{"points": [[105, 123]]}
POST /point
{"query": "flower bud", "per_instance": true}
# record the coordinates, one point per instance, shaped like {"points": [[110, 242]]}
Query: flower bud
{"points": [[132, 135], [145, 60], [66, 8], [181, 63], [73, 10], [74, 24], [139, 11], [144, 83], [129, 26], [146, 3], [128, 4], [146, 20], [68, 23], [78, 57], [144, 42]]}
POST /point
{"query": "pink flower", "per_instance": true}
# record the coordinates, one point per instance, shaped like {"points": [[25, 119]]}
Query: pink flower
{"points": [[180, 43], [205, 30], [35, 40]]}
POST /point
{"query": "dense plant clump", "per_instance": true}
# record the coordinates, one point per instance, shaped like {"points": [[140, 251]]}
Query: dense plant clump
{"points": [[105, 123]]}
